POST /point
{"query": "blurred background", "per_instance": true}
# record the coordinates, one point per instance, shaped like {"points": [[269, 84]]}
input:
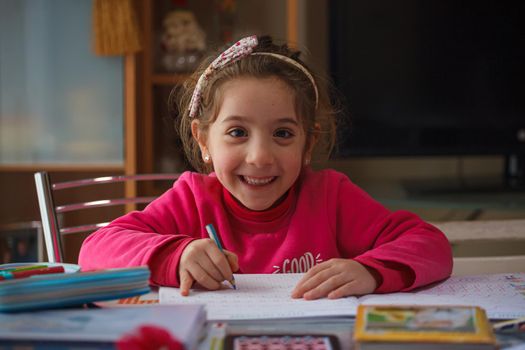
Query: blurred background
{"points": [[434, 119]]}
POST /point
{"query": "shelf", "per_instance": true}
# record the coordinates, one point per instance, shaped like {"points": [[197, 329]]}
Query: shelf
{"points": [[169, 79]]}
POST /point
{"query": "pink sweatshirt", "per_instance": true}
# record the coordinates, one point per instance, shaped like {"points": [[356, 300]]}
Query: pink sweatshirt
{"points": [[324, 216]]}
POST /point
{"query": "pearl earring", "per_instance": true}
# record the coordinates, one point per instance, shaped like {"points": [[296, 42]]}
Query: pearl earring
{"points": [[206, 158]]}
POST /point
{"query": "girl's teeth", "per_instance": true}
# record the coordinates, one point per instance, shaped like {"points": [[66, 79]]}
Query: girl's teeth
{"points": [[257, 181]]}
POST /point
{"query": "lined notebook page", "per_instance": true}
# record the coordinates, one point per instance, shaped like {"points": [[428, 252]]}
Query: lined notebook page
{"points": [[259, 296], [501, 295], [268, 296]]}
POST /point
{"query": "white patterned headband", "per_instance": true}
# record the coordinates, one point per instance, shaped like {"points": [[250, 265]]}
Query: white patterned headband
{"points": [[240, 49]]}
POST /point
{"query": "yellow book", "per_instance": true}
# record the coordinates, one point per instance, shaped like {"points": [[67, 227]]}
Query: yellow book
{"points": [[422, 327]]}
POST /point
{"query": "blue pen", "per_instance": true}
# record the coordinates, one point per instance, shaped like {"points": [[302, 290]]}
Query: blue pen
{"points": [[213, 235]]}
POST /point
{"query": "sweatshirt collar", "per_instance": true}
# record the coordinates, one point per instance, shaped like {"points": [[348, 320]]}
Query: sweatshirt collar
{"points": [[268, 215]]}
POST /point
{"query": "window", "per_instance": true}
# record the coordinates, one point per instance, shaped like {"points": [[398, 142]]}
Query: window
{"points": [[59, 103]]}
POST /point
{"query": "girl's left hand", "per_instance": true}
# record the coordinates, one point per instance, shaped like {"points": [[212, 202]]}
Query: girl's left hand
{"points": [[335, 278]]}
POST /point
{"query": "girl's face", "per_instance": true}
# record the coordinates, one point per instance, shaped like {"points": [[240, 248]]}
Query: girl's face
{"points": [[257, 143]]}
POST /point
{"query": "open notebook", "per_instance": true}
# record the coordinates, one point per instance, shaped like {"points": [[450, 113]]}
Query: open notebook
{"points": [[261, 296]]}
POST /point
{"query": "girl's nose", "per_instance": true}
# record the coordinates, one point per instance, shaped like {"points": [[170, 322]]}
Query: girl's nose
{"points": [[260, 154]]}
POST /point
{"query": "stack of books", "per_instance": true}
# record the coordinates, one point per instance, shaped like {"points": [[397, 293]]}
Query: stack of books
{"points": [[44, 291]]}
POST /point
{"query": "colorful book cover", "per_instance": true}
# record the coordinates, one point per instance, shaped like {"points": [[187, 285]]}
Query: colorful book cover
{"points": [[70, 289], [422, 324]]}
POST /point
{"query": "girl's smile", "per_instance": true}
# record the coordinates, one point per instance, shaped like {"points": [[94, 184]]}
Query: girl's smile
{"points": [[257, 181]]}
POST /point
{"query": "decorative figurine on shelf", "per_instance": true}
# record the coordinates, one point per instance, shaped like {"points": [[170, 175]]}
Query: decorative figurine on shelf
{"points": [[183, 41]]}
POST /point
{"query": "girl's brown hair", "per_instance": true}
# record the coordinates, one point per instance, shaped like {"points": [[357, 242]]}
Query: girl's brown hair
{"points": [[318, 123]]}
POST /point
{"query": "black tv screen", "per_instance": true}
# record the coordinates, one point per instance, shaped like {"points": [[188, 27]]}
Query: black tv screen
{"points": [[436, 77]]}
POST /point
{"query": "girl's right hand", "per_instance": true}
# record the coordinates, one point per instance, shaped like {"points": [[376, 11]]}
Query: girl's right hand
{"points": [[204, 263]]}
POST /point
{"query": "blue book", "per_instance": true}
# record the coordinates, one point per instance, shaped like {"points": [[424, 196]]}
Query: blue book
{"points": [[69, 289]]}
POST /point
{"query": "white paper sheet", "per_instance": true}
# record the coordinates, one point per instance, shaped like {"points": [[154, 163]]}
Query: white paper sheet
{"points": [[259, 297], [268, 296], [501, 295]]}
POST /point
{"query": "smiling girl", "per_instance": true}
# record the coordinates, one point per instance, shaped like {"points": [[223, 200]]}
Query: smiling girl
{"points": [[251, 120]]}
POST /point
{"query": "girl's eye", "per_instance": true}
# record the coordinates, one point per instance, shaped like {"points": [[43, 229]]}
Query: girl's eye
{"points": [[283, 133], [237, 133]]}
